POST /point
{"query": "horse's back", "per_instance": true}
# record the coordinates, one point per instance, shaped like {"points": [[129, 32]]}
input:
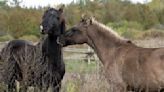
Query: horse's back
{"points": [[19, 43]]}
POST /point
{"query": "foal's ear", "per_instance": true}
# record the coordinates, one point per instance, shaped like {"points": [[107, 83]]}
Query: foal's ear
{"points": [[91, 19], [83, 17], [61, 8]]}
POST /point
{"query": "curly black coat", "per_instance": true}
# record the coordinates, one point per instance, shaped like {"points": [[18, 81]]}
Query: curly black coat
{"points": [[41, 65]]}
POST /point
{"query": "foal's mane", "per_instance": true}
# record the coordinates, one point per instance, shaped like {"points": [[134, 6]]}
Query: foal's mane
{"points": [[109, 32]]}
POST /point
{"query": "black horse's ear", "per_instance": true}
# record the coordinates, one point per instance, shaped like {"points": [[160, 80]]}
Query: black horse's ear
{"points": [[61, 8]]}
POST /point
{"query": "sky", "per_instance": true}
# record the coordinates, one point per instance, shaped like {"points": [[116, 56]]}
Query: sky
{"points": [[36, 3]]}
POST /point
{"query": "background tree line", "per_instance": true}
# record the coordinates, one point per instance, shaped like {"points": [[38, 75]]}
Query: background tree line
{"points": [[128, 19]]}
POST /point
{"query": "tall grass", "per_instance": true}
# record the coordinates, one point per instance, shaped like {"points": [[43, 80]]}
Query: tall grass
{"points": [[83, 77]]}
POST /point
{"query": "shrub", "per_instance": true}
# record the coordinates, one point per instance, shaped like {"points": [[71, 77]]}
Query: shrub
{"points": [[126, 25], [32, 38], [153, 33], [132, 34], [127, 29]]}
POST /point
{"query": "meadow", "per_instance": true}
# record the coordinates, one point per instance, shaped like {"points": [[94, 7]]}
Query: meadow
{"points": [[83, 77], [144, 22]]}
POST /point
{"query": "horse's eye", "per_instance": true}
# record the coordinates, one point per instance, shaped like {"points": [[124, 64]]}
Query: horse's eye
{"points": [[73, 30], [58, 18]]}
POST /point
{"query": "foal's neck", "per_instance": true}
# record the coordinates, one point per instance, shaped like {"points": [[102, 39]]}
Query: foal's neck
{"points": [[104, 42]]}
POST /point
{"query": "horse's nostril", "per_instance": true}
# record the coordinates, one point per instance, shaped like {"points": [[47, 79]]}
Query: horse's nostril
{"points": [[42, 32]]}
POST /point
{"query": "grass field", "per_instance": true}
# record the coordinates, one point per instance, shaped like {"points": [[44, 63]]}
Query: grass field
{"points": [[83, 77]]}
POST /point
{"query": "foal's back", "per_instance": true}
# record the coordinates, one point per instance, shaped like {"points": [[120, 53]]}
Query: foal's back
{"points": [[143, 67]]}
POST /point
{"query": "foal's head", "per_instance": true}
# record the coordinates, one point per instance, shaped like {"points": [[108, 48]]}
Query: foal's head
{"points": [[89, 30], [51, 21], [78, 33]]}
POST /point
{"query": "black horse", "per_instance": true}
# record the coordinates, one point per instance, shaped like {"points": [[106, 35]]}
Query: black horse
{"points": [[40, 66]]}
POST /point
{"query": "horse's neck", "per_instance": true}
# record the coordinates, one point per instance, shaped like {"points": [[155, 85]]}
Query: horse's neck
{"points": [[51, 49], [103, 43]]}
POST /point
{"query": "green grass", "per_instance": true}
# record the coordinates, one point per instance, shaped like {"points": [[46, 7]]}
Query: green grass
{"points": [[80, 66]]}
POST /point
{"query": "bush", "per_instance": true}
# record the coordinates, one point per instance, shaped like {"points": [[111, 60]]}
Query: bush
{"points": [[153, 33], [126, 25], [32, 38], [127, 29], [132, 34]]}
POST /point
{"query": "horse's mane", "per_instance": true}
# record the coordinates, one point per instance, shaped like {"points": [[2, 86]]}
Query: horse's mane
{"points": [[107, 31]]}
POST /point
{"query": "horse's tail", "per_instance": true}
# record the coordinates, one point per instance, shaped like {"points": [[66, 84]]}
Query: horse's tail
{"points": [[2, 61]]}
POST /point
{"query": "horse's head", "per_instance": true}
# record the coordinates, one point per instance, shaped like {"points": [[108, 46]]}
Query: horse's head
{"points": [[51, 21], [78, 34]]}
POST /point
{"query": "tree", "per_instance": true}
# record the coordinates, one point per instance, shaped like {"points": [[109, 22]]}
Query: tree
{"points": [[16, 2], [3, 3]]}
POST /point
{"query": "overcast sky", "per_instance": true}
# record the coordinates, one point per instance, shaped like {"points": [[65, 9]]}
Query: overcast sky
{"points": [[35, 3]]}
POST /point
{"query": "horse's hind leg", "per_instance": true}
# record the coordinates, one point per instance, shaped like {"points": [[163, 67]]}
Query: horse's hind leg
{"points": [[44, 88], [23, 88], [56, 88], [11, 81], [11, 86], [11, 78]]}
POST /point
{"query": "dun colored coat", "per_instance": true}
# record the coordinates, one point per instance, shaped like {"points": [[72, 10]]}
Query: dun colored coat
{"points": [[127, 66]]}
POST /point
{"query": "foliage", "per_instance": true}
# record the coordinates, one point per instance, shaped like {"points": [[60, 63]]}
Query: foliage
{"points": [[29, 38], [122, 15], [6, 38], [153, 33], [23, 21], [3, 3]]}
